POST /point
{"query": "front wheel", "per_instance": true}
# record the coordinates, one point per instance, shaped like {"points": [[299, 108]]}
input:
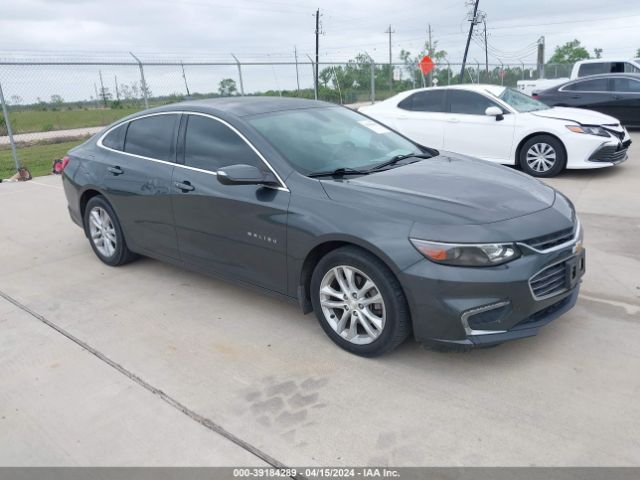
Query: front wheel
{"points": [[543, 156], [359, 302]]}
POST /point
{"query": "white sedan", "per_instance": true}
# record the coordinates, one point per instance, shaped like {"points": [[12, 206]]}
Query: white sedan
{"points": [[502, 125]]}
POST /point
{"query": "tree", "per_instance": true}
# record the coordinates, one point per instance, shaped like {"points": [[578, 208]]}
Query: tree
{"points": [[57, 99], [638, 53], [16, 99], [227, 87], [570, 52], [597, 52]]}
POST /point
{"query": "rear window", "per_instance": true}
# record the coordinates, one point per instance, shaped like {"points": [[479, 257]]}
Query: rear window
{"points": [[152, 137], [115, 138], [594, 68], [429, 101], [593, 85]]}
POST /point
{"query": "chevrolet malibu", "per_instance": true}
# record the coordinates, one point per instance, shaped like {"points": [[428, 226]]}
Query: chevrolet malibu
{"points": [[380, 237], [505, 126]]}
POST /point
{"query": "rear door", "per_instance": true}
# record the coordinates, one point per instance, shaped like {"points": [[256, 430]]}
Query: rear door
{"points": [[140, 159], [625, 100], [469, 131], [236, 231], [421, 117], [591, 93]]}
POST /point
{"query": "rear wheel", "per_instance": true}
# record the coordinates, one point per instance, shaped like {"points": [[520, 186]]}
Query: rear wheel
{"points": [[105, 233], [359, 302], [543, 156]]}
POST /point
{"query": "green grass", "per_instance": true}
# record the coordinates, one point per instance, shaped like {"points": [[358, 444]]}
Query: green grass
{"points": [[25, 121], [38, 158]]}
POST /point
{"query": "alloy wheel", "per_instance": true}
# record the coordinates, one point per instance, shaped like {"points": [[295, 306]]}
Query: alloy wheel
{"points": [[352, 305], [541, 157], [102, 231]]}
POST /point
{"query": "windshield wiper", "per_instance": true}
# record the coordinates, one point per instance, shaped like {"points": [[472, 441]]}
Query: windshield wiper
{"points": [[338, 172], [398, 158]]}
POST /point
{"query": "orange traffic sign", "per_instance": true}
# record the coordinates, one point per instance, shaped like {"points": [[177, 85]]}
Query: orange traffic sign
{"points": [[426, 64]]}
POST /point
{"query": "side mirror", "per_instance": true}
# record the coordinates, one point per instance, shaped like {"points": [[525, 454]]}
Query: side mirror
{"points": [[245, 175], [494, 112]]}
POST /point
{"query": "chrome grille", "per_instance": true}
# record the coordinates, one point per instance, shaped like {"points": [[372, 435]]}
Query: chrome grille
{"points": [[552, 239], [550, 281]]}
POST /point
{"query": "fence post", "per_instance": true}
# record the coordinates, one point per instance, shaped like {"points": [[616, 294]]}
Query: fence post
{"points": [[143, 82], [239, 74], [448, 73], [7, 122], [313, 70]]}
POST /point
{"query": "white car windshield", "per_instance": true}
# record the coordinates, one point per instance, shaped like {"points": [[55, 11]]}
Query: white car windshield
{"points": [[521, 102]]}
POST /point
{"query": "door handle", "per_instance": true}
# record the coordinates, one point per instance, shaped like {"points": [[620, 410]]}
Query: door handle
{"points": [[185, 186], [617, 97], [453, 120], [115, 170]]}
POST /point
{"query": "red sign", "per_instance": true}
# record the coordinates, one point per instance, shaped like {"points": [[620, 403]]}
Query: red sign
{"points": [[426, 64]]}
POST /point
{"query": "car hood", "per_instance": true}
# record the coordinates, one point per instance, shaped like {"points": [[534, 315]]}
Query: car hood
{"points": [[449, 189], [579, 115]]}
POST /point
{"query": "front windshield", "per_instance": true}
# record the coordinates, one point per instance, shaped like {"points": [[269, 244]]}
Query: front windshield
{"points": [[325, 139], [521, 102]]}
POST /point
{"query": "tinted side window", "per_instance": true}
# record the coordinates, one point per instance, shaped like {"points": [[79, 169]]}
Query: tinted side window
{"points": [[628, 68], [211, 145], [469, 103], [593, 85], [594, 68], [115, 138], [626, 85], [430, 101], [152, 137]]}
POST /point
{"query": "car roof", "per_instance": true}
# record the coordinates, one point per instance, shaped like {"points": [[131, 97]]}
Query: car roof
{"points": [[608, 75], [607, 60], [471, 87], [243, 106]]}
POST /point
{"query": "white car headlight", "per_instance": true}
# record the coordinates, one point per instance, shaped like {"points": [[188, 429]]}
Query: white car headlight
{"points": [[588, 129], [467, 255]]}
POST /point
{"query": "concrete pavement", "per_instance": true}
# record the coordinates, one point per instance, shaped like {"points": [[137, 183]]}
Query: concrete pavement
{"points": [[268, 376]]}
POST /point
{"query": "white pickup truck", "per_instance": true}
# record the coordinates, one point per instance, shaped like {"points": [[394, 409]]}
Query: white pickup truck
{"points": [[582, 68]]}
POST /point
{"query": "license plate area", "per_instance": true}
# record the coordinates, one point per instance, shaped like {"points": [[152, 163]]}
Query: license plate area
{"points": [[574, 270]]}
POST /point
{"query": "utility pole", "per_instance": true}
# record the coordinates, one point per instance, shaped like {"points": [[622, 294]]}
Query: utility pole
{"points": [[103, 93], [486, 47], [317, 47], [472, 22], [184, 76], [541, 57], [115, 81], [430, 53], [295, 54], [96, 90], [389, 31]]}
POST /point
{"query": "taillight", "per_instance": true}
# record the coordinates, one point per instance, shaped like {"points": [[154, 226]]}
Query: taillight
{"points": [[534, 95], [65, 162]]}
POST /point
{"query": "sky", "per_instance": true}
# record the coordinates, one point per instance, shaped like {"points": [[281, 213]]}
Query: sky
{"points": [[265, 30]]}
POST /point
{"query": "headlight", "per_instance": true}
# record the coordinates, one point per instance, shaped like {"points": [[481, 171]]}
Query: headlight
{"points": [[467, 255], [591, 130]]}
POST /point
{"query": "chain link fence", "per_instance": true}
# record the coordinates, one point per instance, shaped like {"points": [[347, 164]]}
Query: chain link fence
{"points": [[51, 106]]}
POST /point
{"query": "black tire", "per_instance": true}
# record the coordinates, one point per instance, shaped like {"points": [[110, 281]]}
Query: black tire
{"points": [[555, 144], [397, 325], [121, 253]]}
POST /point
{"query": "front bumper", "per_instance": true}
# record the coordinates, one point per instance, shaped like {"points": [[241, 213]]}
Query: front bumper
{"points": [[591, 151], [469, 307]]}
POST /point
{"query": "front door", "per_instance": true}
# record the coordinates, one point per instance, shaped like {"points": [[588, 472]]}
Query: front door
{"points": [[469, 131], [238, 231]]}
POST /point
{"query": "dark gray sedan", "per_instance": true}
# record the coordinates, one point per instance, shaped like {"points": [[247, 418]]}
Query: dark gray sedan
{"points": [[380, 237]]}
